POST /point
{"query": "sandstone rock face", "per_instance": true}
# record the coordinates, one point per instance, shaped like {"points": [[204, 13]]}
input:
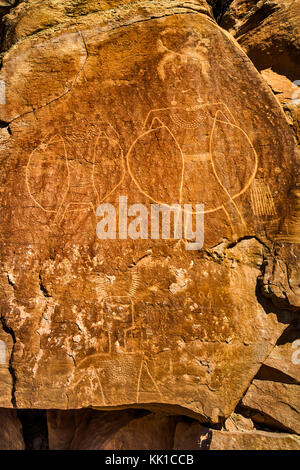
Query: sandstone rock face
{"points": [[280, 281], [197, 437], [284, 359], [237, 422], [10, 431], [192, 436], [276, 401], [258, 440], [287, 92], [152, 104], [113, 430], [6, 379], [269, 32]]}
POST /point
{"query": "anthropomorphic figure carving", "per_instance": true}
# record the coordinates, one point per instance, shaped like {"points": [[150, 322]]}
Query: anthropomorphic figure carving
{"points": [[75, 170], [215, 160]]}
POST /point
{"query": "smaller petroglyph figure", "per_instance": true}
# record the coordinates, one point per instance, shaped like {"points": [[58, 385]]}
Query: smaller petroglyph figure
{"points": [[118, 322], [117, 316], [210, 158], [2, 352], [75, 170], [123, 336], [262, 199]]}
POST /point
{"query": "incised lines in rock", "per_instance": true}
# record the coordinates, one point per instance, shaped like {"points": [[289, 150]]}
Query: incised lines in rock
{"points": [[84, 185], [118, 322], [88, 189]]}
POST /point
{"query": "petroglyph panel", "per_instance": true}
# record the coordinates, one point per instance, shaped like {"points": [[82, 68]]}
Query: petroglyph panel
{"points": [[151, 114]]}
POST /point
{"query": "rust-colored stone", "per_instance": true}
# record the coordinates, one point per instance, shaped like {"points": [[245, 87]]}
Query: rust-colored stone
{"points": [[151, 102], [113, 430], [86, 105], [276, 403], [196, 437], [10, 431]]}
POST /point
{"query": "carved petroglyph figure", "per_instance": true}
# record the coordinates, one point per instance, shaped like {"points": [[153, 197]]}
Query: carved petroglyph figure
{"points": [[117, 314], [210, 158], [85, 172], [204, 143], [124, 336], [262, 199]]}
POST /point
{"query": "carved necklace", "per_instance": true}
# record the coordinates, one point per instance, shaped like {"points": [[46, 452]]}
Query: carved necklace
{"points": [[183, 123]]}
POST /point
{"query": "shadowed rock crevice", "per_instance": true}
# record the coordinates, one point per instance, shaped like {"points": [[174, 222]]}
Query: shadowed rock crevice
{"points": [[133, 429], [43, 287], [291, 334], [5, 8], [6, 125], [34, 429], [219, 8], [265, 422], [268, 32], [270, 373]]}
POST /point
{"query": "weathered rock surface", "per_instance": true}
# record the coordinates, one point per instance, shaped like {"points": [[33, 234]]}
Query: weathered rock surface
{"points": [[269, 32], [6, 378], [112, 430], [276, 403], [287, 91], [257, 440], [192, 436], [153, 102], [11, 437], [281, 279], [283, 363], [238, 422], [197, 437]]}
